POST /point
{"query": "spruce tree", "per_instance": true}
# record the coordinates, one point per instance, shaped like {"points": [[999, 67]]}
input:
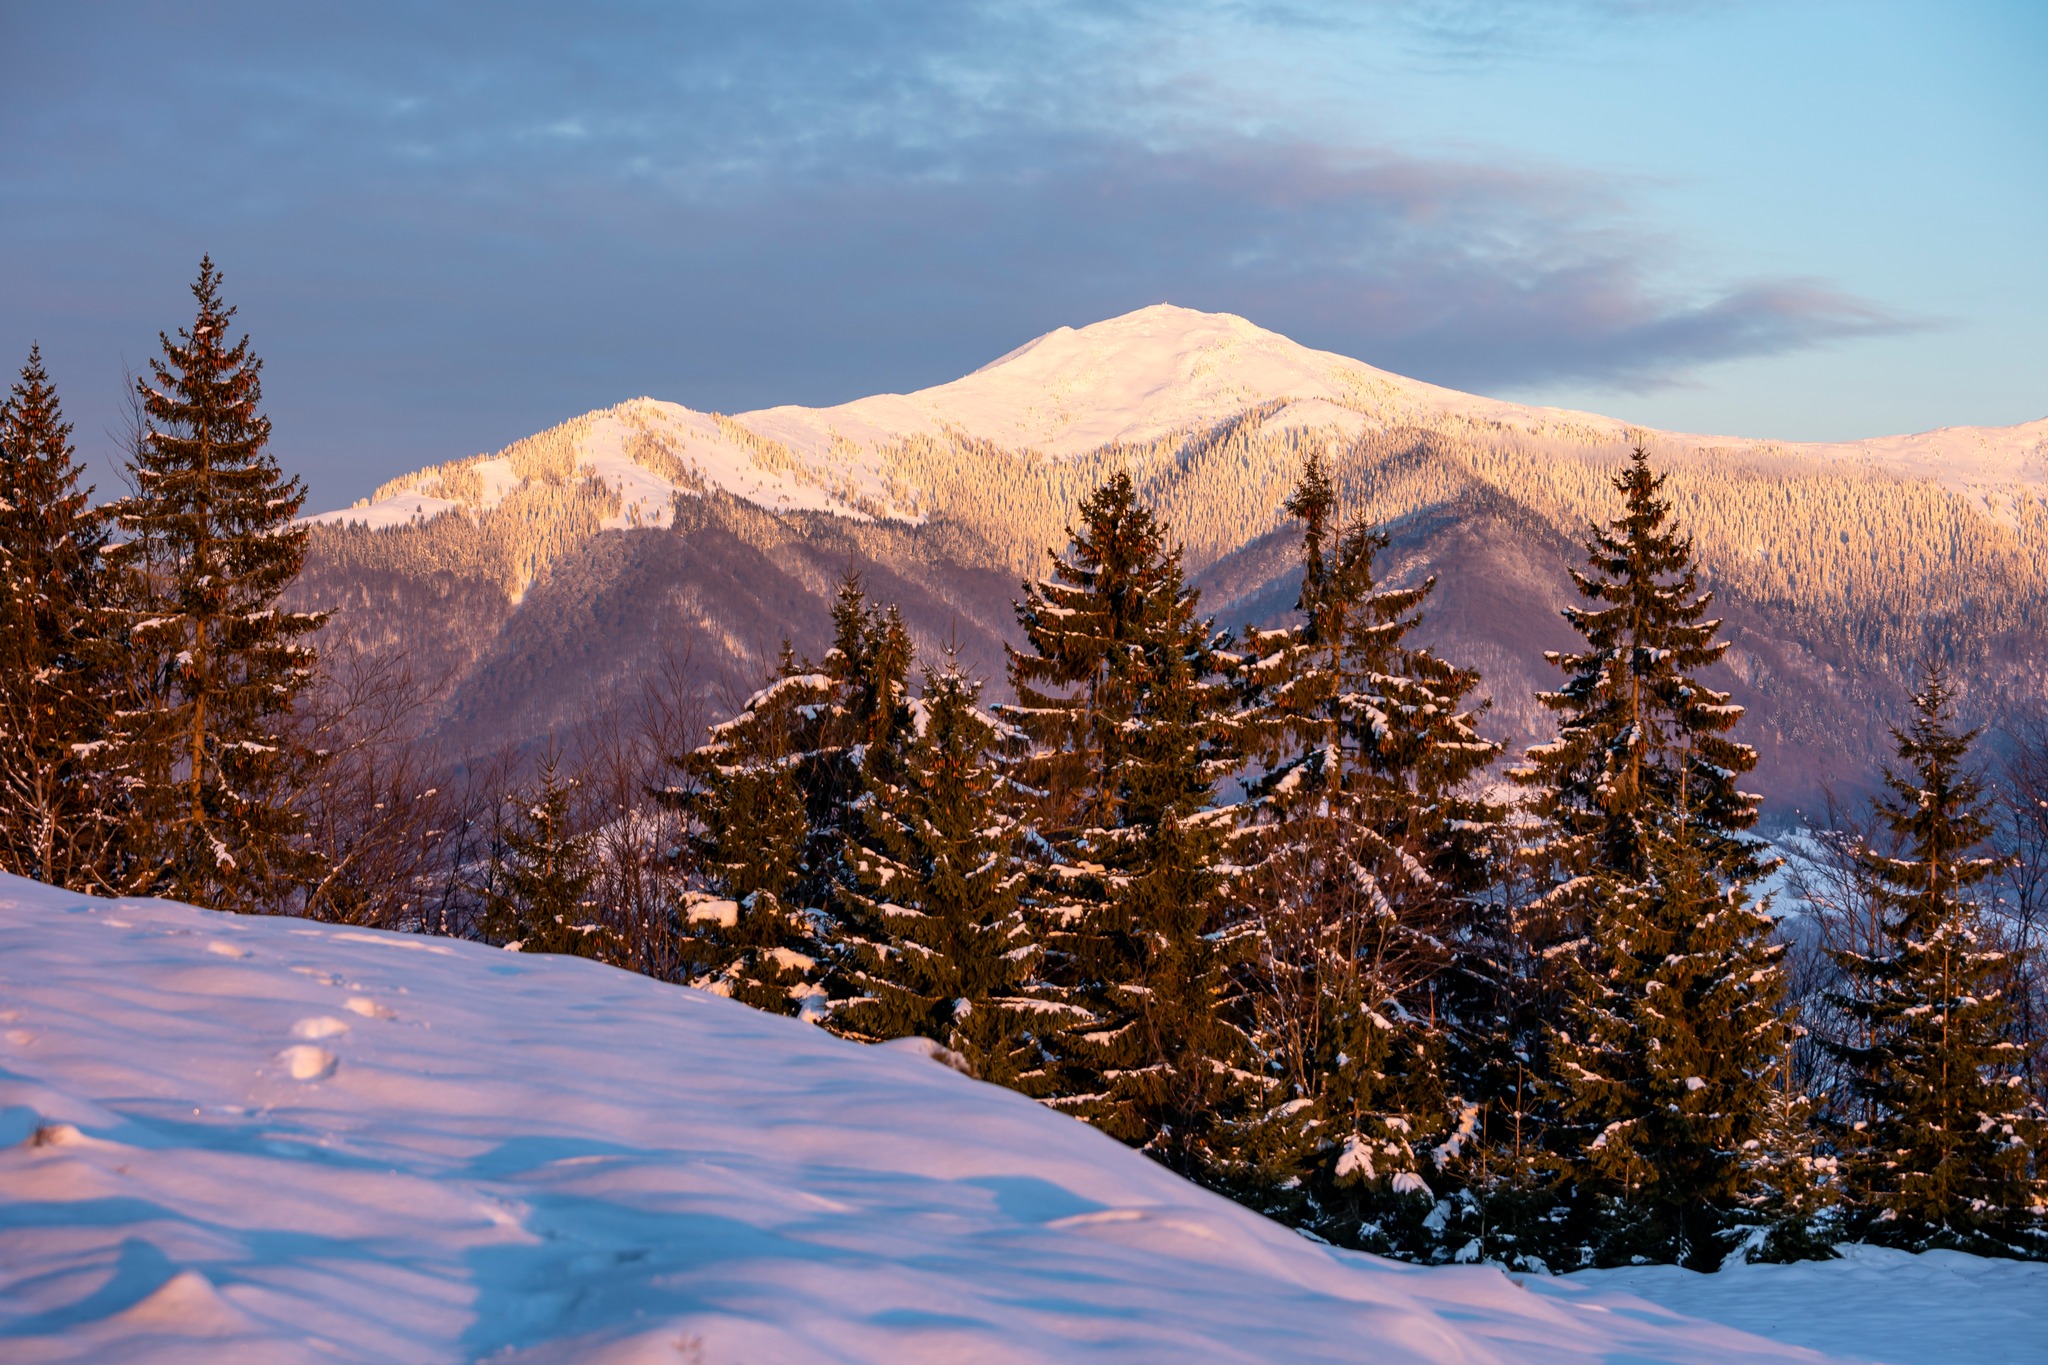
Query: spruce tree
{"points": [[750, 936], [207, 754], [538, 899], [1665, 1063], [59, 816], [1669, 1063], [852, 736], [1948, 1151], [1790, 1179], [938, 946], [778, 790], [1129, 731], [1364, 850]]}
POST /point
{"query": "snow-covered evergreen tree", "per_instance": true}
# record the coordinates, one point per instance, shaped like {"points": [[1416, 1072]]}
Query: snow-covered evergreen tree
{"points": [[538, 898], [1363, 850], [933, 927], [779, 787], [1129, 731], [211, 544], [852, 737], [59, 816], [749, 934], [1791, 1179], [1665, 1061], [1948, 1150], [1669, 1061]]}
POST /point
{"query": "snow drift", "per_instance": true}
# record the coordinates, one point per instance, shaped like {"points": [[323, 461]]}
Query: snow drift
{"points": [[266, 1140]]}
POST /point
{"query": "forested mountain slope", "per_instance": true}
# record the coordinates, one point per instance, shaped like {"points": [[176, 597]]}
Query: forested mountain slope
{"points": [[539, 580]]}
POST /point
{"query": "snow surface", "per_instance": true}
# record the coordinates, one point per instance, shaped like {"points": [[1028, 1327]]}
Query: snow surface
{"points": [[236, 1139], [400, 509], [1873, 1304], [1139, 377]]}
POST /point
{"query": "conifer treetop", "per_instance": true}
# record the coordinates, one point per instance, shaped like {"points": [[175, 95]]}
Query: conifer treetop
{"points": [[54, 532], [1101, 594], [1936, 807], [1642, 740], [207, 487], [38, 439]]}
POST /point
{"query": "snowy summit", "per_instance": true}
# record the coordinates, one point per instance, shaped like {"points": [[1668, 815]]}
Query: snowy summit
{"points": [[1139, 377]]}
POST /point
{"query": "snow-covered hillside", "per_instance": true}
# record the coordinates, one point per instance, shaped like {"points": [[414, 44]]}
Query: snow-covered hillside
{"points": [[231, 1139], [1135, 378]]}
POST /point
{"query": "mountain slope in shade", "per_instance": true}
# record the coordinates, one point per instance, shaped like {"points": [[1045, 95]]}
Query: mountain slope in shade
{"points": [[254, 1139]]}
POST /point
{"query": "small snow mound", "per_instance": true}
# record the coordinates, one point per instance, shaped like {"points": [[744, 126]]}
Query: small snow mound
{"points": [[188, 1305], [1144, 1227], [932, 1051], [227, 949], [308, 1063], [1094, 1216], [388, 940], [319, 1026], [368, 1008], [58, 1135]]}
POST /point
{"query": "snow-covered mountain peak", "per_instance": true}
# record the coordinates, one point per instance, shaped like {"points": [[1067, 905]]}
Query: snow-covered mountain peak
{"points": [[1147, 374], [1138, 378]]}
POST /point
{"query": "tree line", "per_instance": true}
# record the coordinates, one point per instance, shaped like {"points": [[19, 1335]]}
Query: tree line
{"points": [[1265, 904]]}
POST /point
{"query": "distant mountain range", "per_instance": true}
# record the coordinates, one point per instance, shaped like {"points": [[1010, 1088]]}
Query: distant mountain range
{"points": [[541, 582]]}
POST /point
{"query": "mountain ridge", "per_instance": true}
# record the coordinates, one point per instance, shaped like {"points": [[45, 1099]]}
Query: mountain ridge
{"points": [[1139, 377], [544, 580]]}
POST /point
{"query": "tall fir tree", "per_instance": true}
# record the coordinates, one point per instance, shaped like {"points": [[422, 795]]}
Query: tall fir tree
{"points": [[749, 935], [935, 934], [1948, 1148], [1364, 849], [1129, 733], [207, 753], [1664, 1065], [59, 815], [779, 789], [538, 898], [854, 736]]}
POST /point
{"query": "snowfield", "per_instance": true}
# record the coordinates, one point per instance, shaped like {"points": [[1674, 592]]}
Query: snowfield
{"points": [[233, 1139]]}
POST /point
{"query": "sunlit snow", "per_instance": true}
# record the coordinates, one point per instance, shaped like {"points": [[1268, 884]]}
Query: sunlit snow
{"points": [[227, 1138]]}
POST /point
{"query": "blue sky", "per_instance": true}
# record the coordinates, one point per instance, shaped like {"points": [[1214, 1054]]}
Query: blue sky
{"points": [[447, 228]]}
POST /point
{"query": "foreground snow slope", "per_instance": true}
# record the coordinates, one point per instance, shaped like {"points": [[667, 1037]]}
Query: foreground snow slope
{"points": [[242, 1139]]}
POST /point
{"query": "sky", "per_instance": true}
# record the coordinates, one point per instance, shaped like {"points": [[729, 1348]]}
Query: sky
{"points": [[448, 227]]}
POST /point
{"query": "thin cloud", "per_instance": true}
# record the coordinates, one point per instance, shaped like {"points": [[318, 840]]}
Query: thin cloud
{"points": [[1459, 273]]}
